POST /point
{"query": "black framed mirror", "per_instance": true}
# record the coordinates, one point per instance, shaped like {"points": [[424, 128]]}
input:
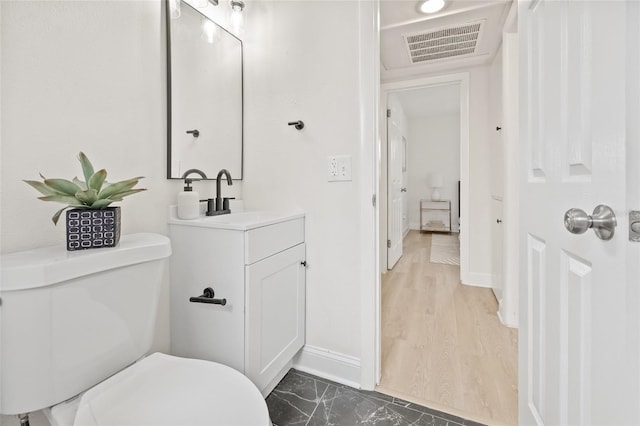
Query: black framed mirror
{"points": [[204, 95]]}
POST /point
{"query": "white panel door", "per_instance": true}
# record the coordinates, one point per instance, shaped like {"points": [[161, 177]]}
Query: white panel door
{"points": [[394, 186], [579, 328]]}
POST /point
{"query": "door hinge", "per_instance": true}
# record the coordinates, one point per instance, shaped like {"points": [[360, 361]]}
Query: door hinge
{"points": [[388, 243], [388, 113], [634, 226], [373, 200]]}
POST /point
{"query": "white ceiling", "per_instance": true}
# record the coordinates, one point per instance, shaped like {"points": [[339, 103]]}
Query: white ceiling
{"points": [[430, 101], [400, 17]]}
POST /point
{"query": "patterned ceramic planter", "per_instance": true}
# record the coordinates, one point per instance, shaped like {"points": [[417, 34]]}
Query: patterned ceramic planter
{"points": [[88, 229]]}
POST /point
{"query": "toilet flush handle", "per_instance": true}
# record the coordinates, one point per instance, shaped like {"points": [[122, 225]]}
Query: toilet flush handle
{"points": [[208, 297]]}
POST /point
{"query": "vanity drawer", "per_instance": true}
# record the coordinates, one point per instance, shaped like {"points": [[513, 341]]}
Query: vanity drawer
{"points": [[271, 239], [435, 205]]}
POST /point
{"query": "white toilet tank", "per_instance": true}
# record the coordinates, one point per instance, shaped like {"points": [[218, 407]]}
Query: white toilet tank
{"points": [[68, 320]]}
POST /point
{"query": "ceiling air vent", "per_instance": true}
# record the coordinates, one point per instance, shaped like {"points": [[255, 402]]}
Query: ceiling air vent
{"points": [[444, 42]]}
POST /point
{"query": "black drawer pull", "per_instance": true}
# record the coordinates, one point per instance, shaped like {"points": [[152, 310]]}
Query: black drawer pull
{"points": [[208, 297]]}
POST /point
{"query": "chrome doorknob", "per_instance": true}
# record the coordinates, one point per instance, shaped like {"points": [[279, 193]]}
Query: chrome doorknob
{"points": [[603, 221], [577, 221], [403, 189]]}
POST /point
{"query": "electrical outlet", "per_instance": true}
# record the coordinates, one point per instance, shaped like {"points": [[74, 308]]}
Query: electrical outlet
{"points": [[339, 168], [333, 168]]}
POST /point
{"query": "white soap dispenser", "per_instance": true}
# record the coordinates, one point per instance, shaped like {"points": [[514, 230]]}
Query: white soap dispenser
{"points": [[188, 202]]}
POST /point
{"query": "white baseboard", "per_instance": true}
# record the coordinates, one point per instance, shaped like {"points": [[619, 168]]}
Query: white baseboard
{"points": [[503, 322], [329, 365], [508, 317], [476, 279]]}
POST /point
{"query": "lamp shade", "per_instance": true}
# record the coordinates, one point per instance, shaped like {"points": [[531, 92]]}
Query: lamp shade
{"points": [[436, 180]]}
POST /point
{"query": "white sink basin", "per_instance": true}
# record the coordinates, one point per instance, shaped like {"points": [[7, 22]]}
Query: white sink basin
{"points": [[240, 221]]}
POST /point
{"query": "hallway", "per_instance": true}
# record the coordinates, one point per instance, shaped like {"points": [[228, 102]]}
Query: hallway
{"points": [[443, 345]]}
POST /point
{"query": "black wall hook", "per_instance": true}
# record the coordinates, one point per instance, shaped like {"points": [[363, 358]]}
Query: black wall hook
{"points": [[299, 124]]}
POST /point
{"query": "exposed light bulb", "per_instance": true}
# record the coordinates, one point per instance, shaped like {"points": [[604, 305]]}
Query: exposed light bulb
{"points": [[237, 20], [201, 4], [174, 9], [431, 6], [237, 5]]}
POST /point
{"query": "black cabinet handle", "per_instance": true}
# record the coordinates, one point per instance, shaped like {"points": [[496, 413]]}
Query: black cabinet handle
{"points": [[208, 297], [498, 221], [304, 263]]}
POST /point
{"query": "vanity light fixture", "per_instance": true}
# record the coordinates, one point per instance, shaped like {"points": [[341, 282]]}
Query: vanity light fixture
{"points": [[237, 5], [431, 6], [237, 21]]}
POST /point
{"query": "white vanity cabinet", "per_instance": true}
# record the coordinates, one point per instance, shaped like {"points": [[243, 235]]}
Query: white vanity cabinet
{"points": [[256, 261]]}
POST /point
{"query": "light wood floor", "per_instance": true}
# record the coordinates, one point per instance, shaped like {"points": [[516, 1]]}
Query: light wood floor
{"points": [[443, 345]]}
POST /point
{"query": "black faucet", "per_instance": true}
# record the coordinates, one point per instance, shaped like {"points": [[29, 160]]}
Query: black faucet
{"points": [[222, 204]]}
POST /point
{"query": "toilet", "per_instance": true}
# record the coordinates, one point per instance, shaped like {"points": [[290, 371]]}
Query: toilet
{"points": [[76, 330]]}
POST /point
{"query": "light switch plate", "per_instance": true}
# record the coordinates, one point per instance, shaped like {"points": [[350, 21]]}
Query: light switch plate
{"points": [[339, 168]]}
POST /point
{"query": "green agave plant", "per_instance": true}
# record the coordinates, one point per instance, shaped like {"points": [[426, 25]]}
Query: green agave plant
{"points": [[94, 193]]}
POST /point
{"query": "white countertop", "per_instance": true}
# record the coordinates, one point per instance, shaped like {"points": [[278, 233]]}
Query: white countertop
{"points": [[239, 221]]}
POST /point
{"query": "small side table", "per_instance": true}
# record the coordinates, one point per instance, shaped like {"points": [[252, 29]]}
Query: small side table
{"points": [[435, 215]]}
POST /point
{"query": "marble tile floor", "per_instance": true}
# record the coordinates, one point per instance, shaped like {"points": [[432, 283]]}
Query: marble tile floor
{"points": [[302, 399]]}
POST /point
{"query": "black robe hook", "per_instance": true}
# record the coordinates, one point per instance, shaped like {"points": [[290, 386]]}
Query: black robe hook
{"points": [[299, 124]]}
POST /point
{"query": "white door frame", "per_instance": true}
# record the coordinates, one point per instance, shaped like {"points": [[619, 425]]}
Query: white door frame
{"points": [[369, 60], [463, 80]]}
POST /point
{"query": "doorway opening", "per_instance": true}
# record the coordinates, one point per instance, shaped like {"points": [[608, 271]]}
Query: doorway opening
{"points": [[460, 80], [438, 340]]}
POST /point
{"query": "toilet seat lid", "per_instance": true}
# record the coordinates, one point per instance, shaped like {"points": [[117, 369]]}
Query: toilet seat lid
{"points": [[166, 390]]}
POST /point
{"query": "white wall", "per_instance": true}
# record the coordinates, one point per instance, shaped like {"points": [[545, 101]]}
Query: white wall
{"points": [[497, 174], [300, 68], [70, 83], [479, 181], [434, 142], [509, 307], [496, 137]]}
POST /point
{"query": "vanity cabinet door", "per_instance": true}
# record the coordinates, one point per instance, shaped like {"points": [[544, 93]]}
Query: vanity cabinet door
{"points": [[275, 313]]}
